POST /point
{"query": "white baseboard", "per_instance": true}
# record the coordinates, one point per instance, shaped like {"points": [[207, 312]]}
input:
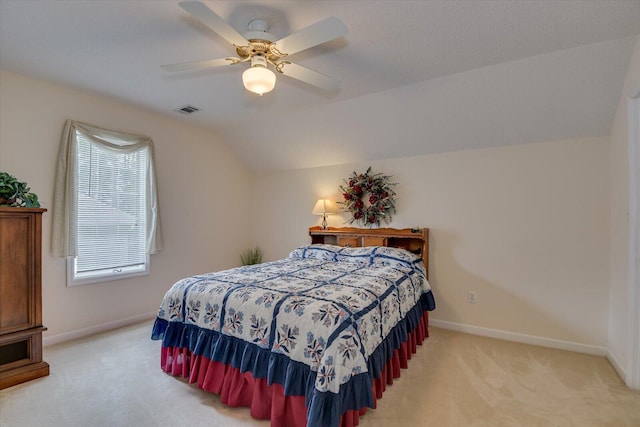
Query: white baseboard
{"points": [[521, 338], [81, 333], [617, 365]]}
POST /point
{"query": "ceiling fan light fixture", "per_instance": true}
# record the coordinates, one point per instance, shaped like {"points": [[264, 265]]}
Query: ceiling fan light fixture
{"points": [[259, 79]]}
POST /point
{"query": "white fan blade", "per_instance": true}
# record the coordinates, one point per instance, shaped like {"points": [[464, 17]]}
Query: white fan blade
{"points": [[208, 17], [309, 76], [318, 33], [196, 65]]}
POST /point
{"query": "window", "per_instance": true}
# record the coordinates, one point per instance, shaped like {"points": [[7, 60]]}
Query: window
{"points": [[105, 213], [111, 213]]}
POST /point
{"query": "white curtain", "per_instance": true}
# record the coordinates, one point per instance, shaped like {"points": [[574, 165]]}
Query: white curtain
{"points": [[64, 239]]}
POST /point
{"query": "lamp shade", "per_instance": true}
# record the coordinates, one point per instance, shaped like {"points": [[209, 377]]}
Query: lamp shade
{"points": [[324, 207], [259, 79]]}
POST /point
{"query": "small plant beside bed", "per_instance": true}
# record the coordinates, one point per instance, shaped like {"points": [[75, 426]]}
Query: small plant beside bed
{"points": [[251, 256]]}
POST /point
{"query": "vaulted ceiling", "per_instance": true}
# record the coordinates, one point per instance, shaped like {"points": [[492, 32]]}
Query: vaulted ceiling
{"points": [[417, 77]]}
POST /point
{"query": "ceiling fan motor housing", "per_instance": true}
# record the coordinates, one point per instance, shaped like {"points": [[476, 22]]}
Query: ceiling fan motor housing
{"points": [[265, 50], [258, 30]]}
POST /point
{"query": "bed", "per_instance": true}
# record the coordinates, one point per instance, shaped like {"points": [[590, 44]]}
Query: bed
{"points": [[312, 339]]}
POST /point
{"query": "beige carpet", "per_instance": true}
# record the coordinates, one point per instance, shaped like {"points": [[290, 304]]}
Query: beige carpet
{"points": [[455, 379]]}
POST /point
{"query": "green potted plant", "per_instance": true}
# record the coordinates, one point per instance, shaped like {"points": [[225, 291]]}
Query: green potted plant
{"points": [[14, 193], [251, 256]]}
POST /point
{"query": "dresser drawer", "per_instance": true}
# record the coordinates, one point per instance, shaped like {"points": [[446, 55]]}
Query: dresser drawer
{"points": [[351, 242], [374, 241]]}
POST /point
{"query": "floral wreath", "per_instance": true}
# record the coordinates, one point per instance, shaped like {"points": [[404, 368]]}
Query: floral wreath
{"points": [[381, 203]]}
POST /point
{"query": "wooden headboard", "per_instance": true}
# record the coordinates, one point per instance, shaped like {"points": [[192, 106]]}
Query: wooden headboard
{"points": [[411, 239]]}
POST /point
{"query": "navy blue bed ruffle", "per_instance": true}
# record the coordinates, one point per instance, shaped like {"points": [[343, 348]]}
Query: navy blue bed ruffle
{"points": [[297, 379]]}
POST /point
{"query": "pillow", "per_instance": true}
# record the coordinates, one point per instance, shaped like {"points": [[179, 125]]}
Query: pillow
{"points": [[317, 251], [368, 255]]}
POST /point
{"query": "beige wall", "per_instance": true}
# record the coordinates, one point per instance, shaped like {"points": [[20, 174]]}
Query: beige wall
{"points": [[204, 197], [526, 227], [619, 158]]}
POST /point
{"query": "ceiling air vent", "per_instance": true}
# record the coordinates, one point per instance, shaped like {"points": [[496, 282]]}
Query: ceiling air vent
{"points": [[187, 109]]}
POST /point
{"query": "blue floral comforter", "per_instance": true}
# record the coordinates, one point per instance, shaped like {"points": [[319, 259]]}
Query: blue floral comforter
{"points": [[322, 322]]}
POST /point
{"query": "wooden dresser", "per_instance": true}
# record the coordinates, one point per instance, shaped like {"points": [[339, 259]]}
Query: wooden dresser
{"points": [[21, 296]]}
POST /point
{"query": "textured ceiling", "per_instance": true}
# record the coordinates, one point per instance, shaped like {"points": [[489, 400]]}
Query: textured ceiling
{"points": [[418, 77]]}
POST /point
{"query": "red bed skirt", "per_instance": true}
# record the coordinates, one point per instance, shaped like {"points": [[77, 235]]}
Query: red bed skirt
{"points": [[265, 401]]}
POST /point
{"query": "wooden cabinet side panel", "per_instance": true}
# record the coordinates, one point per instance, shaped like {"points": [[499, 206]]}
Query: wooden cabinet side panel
{"points": [[17, 293], [36, 239]]}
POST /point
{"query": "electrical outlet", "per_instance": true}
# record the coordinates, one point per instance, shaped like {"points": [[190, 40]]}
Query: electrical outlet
{"points": [[472, 297]]}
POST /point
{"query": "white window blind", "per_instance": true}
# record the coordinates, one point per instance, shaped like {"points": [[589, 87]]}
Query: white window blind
{"points": [[111, 221]]}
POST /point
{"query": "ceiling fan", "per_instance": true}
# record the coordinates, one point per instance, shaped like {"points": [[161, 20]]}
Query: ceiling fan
{"points": [[260, 48]]}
